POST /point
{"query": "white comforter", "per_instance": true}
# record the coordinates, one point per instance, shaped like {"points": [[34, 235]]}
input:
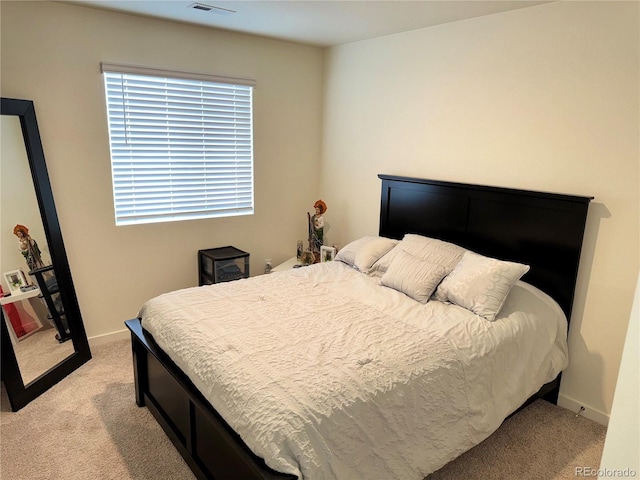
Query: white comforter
{"points": [[328, 375]]}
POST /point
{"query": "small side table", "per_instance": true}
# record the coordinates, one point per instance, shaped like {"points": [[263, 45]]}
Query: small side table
{"points": [[222, 264], [289, 264], [19, 297]]}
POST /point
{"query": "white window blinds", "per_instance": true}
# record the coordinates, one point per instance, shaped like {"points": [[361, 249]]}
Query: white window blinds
{"points": [[181, 148]]}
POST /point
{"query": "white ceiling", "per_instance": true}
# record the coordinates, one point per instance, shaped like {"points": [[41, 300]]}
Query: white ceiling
{"points": [[320, 23]]}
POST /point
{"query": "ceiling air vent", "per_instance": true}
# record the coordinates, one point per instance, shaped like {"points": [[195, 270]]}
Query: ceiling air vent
{"points": [[210, 8]]}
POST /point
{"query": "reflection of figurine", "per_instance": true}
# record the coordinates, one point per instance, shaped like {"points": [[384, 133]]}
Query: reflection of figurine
{"points": [[28, 247], [316, 229]]}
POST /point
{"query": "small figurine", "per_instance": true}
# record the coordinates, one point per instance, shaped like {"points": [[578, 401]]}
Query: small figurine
{"points": [[316, 229], [28, 247]]}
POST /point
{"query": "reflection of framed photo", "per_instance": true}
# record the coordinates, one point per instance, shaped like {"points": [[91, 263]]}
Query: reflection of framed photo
{"points": [[15, 279], [327, 254]]}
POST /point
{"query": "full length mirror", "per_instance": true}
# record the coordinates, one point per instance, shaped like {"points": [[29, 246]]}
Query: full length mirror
{"points": [[39, 335], [43, 338]]}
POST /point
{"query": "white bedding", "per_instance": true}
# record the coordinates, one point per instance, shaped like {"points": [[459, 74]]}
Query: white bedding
{"points": [[326, 374]]}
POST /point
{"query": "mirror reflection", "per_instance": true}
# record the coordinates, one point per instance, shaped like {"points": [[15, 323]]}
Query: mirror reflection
{"points": [[31, 304]]}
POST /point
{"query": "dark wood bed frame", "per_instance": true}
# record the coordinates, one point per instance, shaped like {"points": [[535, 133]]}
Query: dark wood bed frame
{"points": [[543, 230]]}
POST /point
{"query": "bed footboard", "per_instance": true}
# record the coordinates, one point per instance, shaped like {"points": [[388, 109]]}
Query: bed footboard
{"points": [[206, 442]]}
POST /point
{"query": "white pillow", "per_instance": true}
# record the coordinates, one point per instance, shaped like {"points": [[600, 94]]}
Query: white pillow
{"points": [[413, 277], [365, 251], [445, 254], [480, 284]]}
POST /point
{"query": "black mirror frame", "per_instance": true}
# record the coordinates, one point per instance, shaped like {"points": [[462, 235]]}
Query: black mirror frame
{"points": [[18, 393]]}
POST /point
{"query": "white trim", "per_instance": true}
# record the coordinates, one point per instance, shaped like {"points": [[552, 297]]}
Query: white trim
{"points": [[161, 72], [109, 337], [588, 412]]}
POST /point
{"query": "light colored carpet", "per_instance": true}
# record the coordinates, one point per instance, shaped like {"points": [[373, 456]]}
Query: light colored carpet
{"points": [[39, 352], [89, 427], [541, 442]]}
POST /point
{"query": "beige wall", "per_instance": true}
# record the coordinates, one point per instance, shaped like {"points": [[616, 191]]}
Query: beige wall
{"points": [[18, 203], [51, 54], [543, 98]]}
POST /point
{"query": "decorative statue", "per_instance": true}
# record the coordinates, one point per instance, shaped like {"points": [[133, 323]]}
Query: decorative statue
{"points": [[28, 247], [316, 229]]}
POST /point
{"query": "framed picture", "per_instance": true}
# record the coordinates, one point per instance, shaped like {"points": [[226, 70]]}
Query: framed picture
{"points": [[327, 254], [15, 279]]}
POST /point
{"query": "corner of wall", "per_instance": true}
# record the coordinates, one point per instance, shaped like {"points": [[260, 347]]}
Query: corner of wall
{"points": [[588, 412]]}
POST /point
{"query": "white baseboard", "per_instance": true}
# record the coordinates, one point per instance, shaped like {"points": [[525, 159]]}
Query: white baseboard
{"points": [[588, 412], [109, 337]]}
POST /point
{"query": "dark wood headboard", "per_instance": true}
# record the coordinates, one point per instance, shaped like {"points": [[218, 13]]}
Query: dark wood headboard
{"points": [[543, 230]]}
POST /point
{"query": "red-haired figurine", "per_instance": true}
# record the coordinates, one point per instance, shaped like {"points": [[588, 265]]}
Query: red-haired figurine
{"points": [[316, 229], [28, 247]]}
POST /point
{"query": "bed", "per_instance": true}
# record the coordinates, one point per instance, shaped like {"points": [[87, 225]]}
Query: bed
{"points": [[433, 374]]}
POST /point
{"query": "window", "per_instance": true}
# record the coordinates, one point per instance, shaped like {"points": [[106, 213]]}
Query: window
{"points": [[181, 144]]}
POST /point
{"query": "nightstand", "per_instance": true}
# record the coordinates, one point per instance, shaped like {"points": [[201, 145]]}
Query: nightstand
{"points": [[289, 264], [222, 264]]}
